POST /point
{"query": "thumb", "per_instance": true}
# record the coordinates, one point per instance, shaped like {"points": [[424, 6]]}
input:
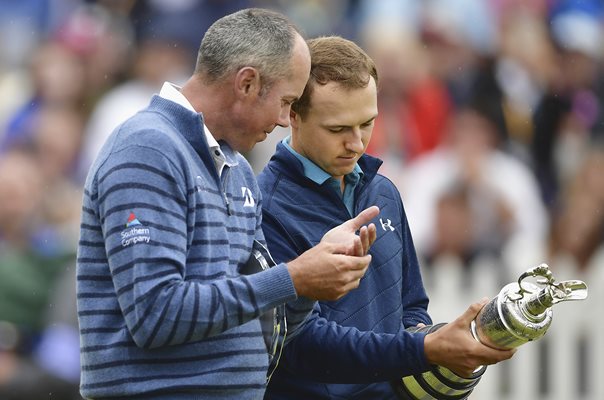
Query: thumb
{"points": [[363, 218], [474, 309]]}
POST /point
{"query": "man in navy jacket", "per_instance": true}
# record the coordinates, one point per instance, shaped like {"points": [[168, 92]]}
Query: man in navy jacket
{"points": [[318, 178]]}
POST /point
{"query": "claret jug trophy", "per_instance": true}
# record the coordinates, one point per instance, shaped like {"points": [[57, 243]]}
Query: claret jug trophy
{"points": [[520, 313]]}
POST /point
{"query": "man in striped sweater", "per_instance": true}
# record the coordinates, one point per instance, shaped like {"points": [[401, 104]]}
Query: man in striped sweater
{"points": [[170, 213]]}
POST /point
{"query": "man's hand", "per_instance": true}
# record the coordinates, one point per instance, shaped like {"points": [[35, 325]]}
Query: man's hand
{"points": [[453, 346], [324, 272], [336, 265], [346, 233]]}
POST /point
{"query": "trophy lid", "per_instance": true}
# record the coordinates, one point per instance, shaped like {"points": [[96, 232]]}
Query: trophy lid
{"points": [[553, 292]]}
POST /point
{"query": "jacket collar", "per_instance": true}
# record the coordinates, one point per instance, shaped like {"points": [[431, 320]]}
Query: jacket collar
{"points": [[288, 164], [190, 125]]}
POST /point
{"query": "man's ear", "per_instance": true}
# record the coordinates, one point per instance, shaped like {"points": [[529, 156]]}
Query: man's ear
{"points": [[294, 119], [247, 81]]}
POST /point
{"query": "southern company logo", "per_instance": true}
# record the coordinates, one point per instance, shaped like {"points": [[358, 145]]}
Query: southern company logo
{"points": [[132, 220], [135, 232]]}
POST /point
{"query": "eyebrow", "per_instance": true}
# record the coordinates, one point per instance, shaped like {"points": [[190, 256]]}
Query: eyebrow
{"points": [[346, 126], [370, 119]]}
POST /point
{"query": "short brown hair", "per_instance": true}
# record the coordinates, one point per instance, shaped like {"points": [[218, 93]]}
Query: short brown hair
{"points": [[335, 59]]}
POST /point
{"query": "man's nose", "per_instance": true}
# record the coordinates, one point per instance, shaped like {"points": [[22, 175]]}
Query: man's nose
{"points": [[354, 143], [283, 120]]}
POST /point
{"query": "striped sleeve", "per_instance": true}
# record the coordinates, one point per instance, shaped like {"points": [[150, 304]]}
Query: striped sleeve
{"points": [[145, 219]]}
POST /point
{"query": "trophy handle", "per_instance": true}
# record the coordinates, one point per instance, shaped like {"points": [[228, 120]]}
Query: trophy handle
{"points": [[541, 270], [559, 291], [569, 290]]}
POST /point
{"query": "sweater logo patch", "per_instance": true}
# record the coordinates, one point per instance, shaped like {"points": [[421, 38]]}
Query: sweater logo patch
{"points": [[199, 186], [248, 199], [135, 232]]}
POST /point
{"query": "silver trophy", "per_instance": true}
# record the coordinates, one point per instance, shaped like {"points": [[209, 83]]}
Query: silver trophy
{"points": [[520, 313]]}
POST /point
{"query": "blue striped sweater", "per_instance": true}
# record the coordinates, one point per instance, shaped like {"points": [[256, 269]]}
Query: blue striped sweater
{"points": [[163, 311]]}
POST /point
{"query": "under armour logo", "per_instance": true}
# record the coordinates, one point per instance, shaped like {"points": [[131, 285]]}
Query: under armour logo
{"points": [[247, 196], [386, 224]]}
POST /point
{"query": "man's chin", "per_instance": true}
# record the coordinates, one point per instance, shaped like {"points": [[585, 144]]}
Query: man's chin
{"points": [[259, 139], [340, 171]]}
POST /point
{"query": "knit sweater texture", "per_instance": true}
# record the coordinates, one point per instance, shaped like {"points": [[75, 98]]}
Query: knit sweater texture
{"points": [[352, 347], [164, 312]]}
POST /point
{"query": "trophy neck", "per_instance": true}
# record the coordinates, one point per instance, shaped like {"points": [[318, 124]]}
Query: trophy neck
{"points": [[534, 307]]}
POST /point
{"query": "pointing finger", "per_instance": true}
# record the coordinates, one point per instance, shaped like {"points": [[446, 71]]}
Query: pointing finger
{"points": [[363, 218]]}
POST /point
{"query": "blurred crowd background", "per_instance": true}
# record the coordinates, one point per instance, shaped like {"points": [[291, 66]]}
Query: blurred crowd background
{"points": [[491, 124]]}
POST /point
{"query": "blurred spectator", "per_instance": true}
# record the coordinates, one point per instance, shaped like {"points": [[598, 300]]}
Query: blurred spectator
{"points": [[167, 34], [414, 105], [157, 60], [182, 22], [317, 17], [571, 112], [391, 15], [578, 227], [525, 68], [27, 278], [57, 77], [468, 173], [57, 135], [503, 7], [56, 146], [14, 90], [103, 39], [429, 64], [457, 49], [453, 227], [20, 196], [23, 24]]}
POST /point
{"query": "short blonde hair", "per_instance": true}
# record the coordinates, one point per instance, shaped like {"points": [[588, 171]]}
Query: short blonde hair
{"points": [[335, 59]]}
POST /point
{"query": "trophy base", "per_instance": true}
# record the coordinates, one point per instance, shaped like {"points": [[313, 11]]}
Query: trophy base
{"points": [[437, 384]]}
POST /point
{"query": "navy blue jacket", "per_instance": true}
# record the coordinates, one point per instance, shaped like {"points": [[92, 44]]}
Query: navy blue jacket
{"points": [[350, 348]]}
